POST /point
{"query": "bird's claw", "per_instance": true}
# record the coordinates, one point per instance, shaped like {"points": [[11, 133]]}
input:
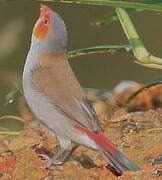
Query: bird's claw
{"points": [[59, 158], [47, 159], [51, 163]]}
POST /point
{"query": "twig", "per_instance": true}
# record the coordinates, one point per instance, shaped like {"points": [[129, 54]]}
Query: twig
{"points": [[98, 49], [153, 129], [126, 117], [13, 117]]}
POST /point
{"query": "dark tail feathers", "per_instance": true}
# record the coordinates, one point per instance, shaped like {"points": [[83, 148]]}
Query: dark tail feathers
{"points": [[120, 162]]}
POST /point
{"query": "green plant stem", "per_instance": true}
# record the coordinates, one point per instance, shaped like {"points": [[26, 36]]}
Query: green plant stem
{"points": [[140, 52], [98, 49], [13, 133], [112, 17], [133, 37], [112, 4], [107, 19]]}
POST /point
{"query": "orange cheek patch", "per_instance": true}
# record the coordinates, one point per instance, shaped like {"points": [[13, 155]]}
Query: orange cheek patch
{"points": [[41, 31]]}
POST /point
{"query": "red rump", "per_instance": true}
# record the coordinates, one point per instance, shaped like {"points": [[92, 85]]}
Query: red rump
{"points": [[44, 10], [100, 139]]}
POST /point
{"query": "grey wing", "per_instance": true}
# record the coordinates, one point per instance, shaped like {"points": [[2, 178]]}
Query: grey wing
{"points": [[82, 113], [67, 95], [90, 114]]}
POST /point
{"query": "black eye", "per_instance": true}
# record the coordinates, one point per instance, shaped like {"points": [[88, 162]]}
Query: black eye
{"points": [[45, 21]]}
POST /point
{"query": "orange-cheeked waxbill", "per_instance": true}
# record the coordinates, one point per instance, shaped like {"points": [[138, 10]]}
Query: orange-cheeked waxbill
{"points": [[56, 98]]}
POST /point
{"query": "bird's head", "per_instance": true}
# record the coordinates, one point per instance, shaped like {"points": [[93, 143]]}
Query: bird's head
{"points": [[49, 32]]}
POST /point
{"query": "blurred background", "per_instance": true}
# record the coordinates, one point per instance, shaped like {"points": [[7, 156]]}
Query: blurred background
{"points": [[100, 71]]}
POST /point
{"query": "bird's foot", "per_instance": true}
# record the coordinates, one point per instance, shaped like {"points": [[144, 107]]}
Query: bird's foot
{"points": [[59, 158], [46, 159]]}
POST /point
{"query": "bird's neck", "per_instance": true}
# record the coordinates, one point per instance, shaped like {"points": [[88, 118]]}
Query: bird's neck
{"points": [[31, 61], [51, 44], [35, 54]]}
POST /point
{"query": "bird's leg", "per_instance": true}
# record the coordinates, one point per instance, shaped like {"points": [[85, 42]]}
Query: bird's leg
{"points": [[63, 155]]}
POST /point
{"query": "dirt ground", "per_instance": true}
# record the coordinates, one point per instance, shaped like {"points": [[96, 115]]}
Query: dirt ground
{"points": [[136, 130]]}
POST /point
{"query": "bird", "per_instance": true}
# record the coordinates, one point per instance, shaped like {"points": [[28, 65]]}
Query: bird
{"points": [[55, 96]]}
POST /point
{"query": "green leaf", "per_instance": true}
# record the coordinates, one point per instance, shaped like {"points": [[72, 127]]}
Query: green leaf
{"points": [[13, 94]]}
